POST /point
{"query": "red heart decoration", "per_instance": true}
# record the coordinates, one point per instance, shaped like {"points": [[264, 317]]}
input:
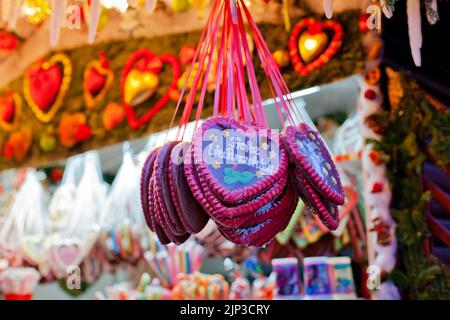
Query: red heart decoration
{"points": [[44, 85], [95, 81], [309, 25], [144, 59], [10, 106], [7, 108], [187, 54]]}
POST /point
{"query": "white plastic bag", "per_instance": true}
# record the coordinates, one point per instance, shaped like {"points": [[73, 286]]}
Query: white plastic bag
{"points": [[124, 234], [63, 201], [71, 245], [24, 230]]}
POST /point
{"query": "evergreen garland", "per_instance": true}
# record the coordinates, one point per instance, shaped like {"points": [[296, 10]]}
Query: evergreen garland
{"points": [[408, 130]]}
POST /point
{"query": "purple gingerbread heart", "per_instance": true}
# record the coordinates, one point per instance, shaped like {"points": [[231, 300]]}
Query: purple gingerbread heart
{"points": [[162, 188], [237, 162], [190, 212], [155, 226], [147, 172], [227, 215], [263, 232], [162, 223], [310, 155], [326, 210]]}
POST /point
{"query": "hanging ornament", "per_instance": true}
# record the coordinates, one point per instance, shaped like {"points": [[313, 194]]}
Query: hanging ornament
{"points": [[150, 5], [187, 54], [281, 57], [18, 145], [73, 129], [10, 109], [94, 18], [5, 6], [113, 114], [8, 41], [362, 22], [103, 19], [56, 23], [351, 201], [36, 11], [46, 84], [177, 5], [431, 7], [97, 80], [199, 5], [247, 194], [309, 44], [47, 142], [387, 8], [140, 79], [328, 8], [14, 11], [415, 30]]}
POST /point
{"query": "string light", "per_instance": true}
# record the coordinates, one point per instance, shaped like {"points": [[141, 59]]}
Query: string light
{"points": [[120, 5]]}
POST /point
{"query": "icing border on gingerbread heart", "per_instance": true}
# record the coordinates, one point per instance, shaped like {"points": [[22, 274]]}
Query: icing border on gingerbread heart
{"points": [[241, 194], [319, 205], [217, 210], [303, 162]]}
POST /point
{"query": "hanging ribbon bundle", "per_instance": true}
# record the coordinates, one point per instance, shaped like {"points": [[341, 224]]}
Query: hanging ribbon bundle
{"points": [[236, 169]]}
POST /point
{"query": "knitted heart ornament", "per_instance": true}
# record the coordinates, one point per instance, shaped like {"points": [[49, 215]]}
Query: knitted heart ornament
{"points": [[236, 161], [311, 157]]}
